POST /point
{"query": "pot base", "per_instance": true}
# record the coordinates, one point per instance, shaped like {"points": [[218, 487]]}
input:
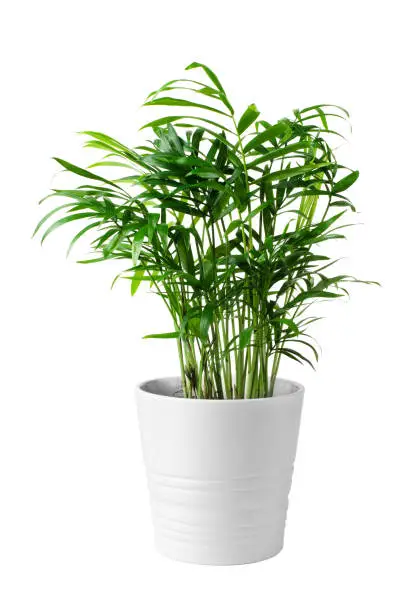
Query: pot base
{"points": [[207, 558]]}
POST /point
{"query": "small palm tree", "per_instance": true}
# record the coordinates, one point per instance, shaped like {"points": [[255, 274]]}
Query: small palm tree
{"points": [[225, 219]]}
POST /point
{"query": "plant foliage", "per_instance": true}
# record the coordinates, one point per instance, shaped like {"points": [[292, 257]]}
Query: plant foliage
{"points": [[227, 219]]}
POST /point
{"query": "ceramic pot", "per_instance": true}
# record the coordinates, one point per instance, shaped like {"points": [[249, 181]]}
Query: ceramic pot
{"points": [[219, 471]]}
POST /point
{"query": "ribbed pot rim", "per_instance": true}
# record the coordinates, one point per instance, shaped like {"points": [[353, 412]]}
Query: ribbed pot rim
{"points": [[297, 389]]}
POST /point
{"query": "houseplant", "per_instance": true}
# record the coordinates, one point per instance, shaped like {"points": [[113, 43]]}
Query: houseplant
{"points": [[226, 219]]}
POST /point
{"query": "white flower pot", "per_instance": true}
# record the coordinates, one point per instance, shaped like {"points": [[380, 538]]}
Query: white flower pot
{"points": [[219, 471]]}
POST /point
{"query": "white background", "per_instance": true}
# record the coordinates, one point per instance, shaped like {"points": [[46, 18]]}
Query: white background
{"points": [[75, 532]]}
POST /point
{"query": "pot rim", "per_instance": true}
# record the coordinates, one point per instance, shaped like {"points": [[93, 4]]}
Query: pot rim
{"points": [[298, 389]]}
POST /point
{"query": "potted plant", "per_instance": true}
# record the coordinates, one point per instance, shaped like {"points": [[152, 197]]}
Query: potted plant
{"points": [[227, 219]]}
